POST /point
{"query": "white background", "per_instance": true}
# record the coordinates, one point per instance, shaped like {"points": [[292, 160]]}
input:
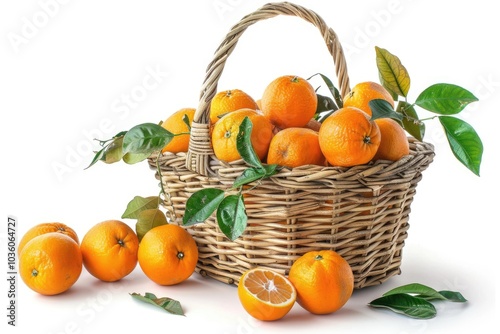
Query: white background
{"points": [[67, 68]]}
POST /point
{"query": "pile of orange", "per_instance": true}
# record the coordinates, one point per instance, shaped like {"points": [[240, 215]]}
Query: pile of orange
{"points": [[286, 133], [51, 258]]}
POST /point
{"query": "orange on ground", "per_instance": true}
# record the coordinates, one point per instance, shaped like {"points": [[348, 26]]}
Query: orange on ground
{"points": [[362, 93], [226, 130], [46, 228], [230, 100], [348, 137], [50, 263], [176, 125], [109, 250], [293, 147], [393, 142], [168, 254], [324, 281], [289, 101], [265, 294]]}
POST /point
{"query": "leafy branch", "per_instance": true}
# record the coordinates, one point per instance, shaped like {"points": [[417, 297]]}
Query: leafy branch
{"points": [[441, 99], [326, 105], [144, 140], [133, 146], [231, 215], [170, 305], [414, 300]]}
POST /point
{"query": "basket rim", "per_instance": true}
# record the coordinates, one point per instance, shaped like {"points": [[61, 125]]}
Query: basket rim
{"points": [[421, 155]]}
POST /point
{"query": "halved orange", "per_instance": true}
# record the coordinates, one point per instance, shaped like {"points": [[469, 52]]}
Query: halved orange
{"points": [[265, 294]]}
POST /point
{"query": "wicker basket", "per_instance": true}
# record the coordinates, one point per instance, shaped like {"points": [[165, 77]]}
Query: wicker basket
{"points": [[360, 212]]}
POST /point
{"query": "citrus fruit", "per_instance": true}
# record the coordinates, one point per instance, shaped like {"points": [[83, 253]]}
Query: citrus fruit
{"points": [[324, 281], [46, 228], [293, 147], [168, 254], [348, 137], [230, 100], [227, 128], [265, 294], [289, 101], [259, 104], [362, 93], [393, 141], [109, 250], [176, 125], [50, 263]]}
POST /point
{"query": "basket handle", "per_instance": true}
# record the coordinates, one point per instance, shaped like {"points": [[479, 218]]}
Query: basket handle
{"points": [[200, 150]]}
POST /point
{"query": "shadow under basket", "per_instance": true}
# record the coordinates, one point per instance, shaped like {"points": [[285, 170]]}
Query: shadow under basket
{"points": [[361, 212]]}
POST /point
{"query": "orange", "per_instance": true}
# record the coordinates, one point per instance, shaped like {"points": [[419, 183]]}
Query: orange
{"points": [[313, 125], [259, 104], [348, 137], [229, 100], [109, 250], [50, 263], [324, 281], [176, 125], [293, 147], [393, 142], [289, 101], [46, 228], [362, 93], [168, 254], [265, 294], [226, 130]]}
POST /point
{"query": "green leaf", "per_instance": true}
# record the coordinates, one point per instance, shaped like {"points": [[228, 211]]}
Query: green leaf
{"points": [[249, 175], [113, 152], [149, 219], [120, 134], [186, 121], [325, 103], [445, 99], [252, 174], [421, 290], [170, 305], [464, 142], [406, 304], [99, 155], [333, 90], [231, 216], [133, 158], [139, 204], [244, 143], [383, 109], [201, 204], [393, 75], [411, 122], [145, 139], [453, 296]]}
